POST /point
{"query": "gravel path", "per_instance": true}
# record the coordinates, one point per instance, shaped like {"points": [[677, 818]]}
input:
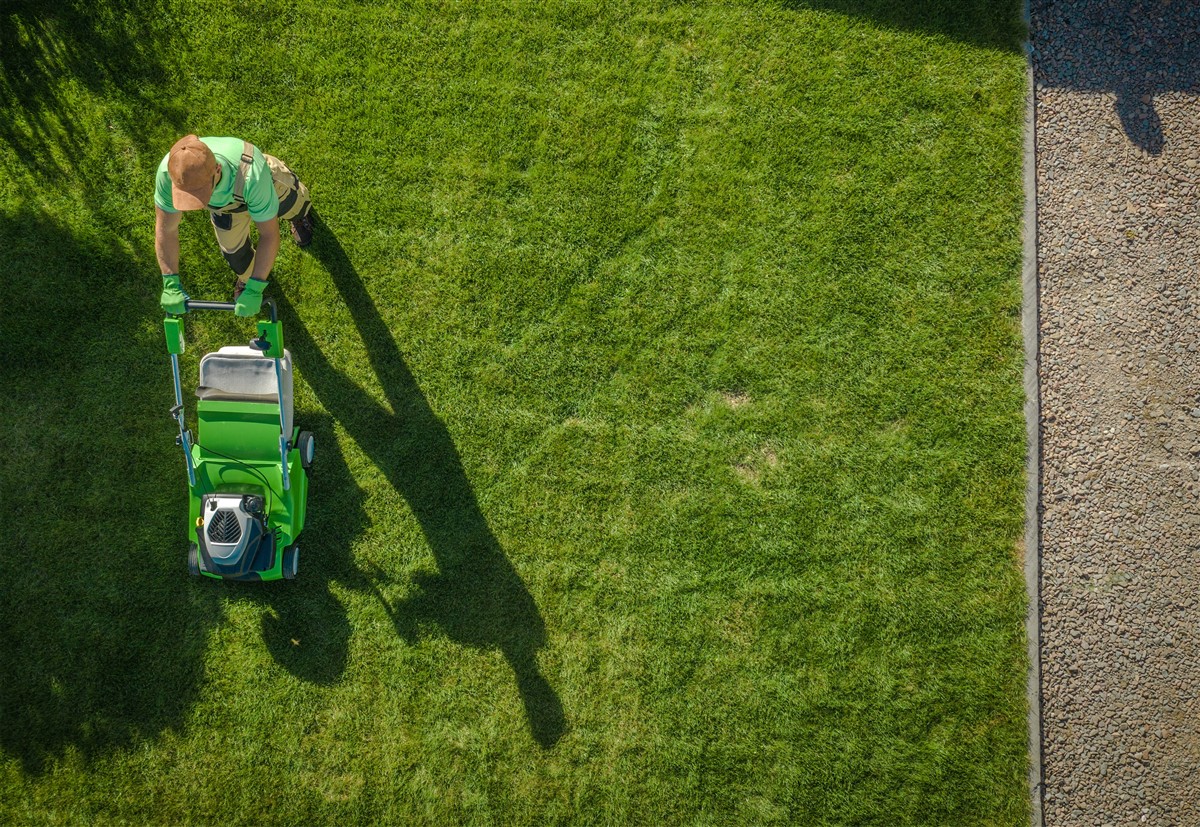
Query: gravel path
{"points": [[1118, 183]]}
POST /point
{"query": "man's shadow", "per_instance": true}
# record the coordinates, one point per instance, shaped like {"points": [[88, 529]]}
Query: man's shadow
{"points": [[476, 597]]}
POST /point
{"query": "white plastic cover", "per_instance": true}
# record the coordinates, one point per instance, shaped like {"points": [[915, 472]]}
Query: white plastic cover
{"points": [[242, 374]]}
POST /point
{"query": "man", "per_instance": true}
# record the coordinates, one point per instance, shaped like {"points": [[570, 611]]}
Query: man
{"points": [[239, 186]]}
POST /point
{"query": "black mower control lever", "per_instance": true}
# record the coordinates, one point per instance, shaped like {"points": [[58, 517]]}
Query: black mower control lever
{"points": [[230, 306]]}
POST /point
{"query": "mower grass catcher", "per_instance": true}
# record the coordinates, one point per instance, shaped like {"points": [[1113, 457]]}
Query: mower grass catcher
{"points": [[248, 465]]}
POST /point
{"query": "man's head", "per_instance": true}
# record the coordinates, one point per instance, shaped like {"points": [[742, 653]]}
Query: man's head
{"points": [[194, 172]]}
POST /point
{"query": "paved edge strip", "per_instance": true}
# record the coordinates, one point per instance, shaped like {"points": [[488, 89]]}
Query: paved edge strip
{"points": [[1033, 456]]}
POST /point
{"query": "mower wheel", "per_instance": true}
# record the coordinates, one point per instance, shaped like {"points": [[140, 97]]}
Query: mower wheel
{"points": [[307, 447], [193, 560], [291, 561]]}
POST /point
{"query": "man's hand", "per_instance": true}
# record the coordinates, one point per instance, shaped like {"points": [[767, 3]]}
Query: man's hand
{"points": [[173, 299], [250, 302]]}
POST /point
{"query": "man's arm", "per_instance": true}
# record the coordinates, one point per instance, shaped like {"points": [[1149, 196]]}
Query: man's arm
{"points": [[166, 239], [268, 248]]}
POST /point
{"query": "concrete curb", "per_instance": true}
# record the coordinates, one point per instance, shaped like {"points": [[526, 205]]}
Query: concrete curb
{"points": [[1033, 545]]}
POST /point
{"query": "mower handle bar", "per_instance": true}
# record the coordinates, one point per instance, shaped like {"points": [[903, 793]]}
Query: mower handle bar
{"points": [[198, 305]]}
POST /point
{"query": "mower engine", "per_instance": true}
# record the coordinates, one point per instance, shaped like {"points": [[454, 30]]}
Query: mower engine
{"points": [[233, 534]]}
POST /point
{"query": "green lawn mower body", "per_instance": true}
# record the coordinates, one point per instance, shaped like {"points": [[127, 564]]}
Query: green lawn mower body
{"points": [[248, 464]]}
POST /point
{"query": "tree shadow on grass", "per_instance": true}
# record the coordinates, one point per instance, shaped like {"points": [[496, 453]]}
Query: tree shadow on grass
{"points": [[48, 51], [993, 24], [1133, 49], [476, 597], [102, 633]]}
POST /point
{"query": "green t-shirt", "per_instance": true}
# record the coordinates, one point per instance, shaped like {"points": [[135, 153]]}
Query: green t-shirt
{"points": [[259, 192]]}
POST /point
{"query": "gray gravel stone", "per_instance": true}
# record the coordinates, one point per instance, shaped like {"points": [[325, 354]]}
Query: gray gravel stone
{"points": [[1118, 141]]}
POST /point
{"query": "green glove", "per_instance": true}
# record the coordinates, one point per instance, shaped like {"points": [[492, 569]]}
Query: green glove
{"points": [[249, 303], [173, 299]]}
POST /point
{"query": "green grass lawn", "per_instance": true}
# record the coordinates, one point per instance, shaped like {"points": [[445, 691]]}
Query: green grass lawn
{"points": [[665, 367]]}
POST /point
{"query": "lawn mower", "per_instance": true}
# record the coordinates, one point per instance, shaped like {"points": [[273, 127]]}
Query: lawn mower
{"points": [[248, 465]]}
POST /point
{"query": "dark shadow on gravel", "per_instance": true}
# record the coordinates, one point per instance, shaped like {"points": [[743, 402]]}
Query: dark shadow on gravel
{"points": [[1135, 49], [994, 24], [476, 597], [102, 632]]}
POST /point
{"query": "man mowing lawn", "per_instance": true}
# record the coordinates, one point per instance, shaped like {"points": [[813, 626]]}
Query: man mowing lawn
{"points": [[238, 185]]}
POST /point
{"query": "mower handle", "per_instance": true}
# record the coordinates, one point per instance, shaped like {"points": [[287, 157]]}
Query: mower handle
{"points": [[191, 304]]}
